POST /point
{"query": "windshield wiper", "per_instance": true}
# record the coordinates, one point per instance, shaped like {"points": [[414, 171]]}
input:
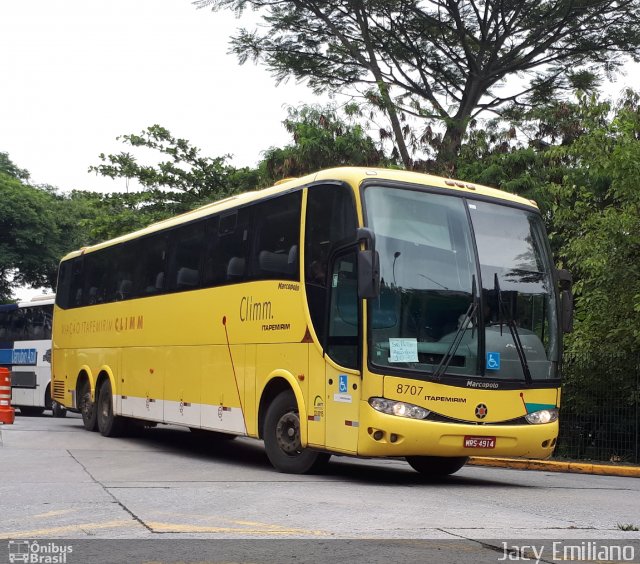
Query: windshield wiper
{"points": [[513, 329], [457, 339]]}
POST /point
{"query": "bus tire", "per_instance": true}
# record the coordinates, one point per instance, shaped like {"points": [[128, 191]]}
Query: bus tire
{"points": [[58, 410], [282, 438], [437, 466], [48, 400], [109, 425], [88, 408]]}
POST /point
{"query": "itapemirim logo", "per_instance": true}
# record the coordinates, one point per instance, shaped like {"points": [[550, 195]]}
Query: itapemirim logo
{"points": [[34, 552]]}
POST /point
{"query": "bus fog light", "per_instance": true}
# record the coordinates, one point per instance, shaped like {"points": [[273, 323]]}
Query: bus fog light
{"points": [[399, 408], [542, 416]]}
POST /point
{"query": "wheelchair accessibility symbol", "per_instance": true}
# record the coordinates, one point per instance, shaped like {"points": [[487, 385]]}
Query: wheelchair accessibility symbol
{"points": [[493, 361], [342, 384]]}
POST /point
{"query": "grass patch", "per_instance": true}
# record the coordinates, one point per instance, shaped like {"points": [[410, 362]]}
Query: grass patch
{"points": [[627, 527]]}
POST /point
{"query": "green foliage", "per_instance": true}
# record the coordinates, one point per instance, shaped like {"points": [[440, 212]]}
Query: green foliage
{"points": [[439, 63], [580, 161], [9, 168], [29, 232], [493, 156], [321, 139], [597, 213], [183, 181]]}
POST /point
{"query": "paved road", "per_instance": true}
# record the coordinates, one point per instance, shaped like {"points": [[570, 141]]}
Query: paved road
{"points": [[62, 482]]}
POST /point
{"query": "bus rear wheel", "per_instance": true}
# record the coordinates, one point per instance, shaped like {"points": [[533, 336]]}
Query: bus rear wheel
{"points": [[88, 408], [57, 409], [437, 466], [110, 425], [282, 438]]}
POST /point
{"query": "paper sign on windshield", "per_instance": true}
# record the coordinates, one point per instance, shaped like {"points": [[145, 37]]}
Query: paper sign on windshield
{"points": [[403, 350]]}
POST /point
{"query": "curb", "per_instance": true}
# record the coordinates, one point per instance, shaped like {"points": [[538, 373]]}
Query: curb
{"points": [[554, 466]]}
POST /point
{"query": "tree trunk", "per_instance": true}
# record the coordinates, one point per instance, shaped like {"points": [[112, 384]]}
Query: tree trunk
{"points": [[395, 125], [450, 148]]}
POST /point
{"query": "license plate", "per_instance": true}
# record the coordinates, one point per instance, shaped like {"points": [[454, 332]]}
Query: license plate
{"points": [[479, 442]]}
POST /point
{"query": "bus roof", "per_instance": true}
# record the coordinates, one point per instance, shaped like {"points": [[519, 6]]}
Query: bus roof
{"points": [[44, 299], [354, 175]]}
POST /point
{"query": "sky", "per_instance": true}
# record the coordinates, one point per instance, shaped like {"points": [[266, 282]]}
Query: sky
{"points": [[75, 74], [78, 73]]}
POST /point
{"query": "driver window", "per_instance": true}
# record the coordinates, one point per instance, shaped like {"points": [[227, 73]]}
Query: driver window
{"points": [[330, 220], [344, 316]]}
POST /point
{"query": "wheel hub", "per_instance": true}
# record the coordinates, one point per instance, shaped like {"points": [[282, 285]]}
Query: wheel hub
{"points": [[288, 433]]}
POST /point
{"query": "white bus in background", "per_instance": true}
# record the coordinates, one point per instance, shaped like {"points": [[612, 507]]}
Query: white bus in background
{"points": [[25, 349]]}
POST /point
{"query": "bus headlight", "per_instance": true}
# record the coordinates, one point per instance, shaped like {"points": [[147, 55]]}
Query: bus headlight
{"points": [[542, 416], [399, 408]]}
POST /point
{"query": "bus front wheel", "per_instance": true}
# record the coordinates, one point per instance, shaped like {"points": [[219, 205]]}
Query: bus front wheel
{"points": [[282, 438], [88, 408], [437, 466], [110, 425]]}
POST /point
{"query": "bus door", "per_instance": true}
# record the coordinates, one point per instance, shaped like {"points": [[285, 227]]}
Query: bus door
{"points": [[342, 375]]}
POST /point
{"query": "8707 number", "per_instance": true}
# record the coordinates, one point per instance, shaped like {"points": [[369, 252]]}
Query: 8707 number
{"points": [[408, 389]]}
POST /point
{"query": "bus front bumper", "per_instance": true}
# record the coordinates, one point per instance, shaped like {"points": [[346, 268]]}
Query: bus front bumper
{"points": [[389, 435]]}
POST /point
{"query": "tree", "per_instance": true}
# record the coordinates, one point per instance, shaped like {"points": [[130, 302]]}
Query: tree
{"points": [[442, 61], [28, 232], [8, 167], [321, 139], [516, 154], [597, 213], [182, 182]]}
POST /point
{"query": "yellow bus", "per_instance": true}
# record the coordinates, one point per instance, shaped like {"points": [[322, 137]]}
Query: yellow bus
{"points": [[360, 312]]}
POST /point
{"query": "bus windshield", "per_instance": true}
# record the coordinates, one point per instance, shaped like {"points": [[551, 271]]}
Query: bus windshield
{"points": [[466, 288]]}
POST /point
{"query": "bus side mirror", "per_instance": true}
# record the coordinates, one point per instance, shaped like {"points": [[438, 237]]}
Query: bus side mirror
{"points": [[566, 296], [368, 265], [368, 274]]}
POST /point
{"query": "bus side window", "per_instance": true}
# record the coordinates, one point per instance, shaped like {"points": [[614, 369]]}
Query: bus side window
{"points": [[150, 273], [228, 251], [63, 284], [20, 325], [99, 276], [47, 313], [186, 244], [77, 282], [277, 237], [35, 327], [126, 258]]}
